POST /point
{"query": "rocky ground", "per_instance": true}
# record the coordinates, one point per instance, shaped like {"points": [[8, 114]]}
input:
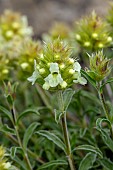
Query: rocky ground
{"points": [[42, 13]]}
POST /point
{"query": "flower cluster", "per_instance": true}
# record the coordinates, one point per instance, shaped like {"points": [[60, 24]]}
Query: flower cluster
{"points": [[59, 29], [29, 52], [56, 69], [99, 66], [13, 24], [14, 30], [93, 33], [4, 165]]}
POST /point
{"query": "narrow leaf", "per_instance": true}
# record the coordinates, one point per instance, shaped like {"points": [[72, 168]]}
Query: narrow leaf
{"points": [[26, 112], [67, 97], [104, 134], [52, 137], [13, 151], [53, 163], [108, 81], [106, 163], [93, 82], [87, 161], [20, 163], [58, 115], [6, 112], [28, 133], [90, 148], [6, 129]]}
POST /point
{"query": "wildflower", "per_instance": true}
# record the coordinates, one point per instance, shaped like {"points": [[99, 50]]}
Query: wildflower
{"points": [[59, 72], [29, 52], [99, 66], [13, 24], [4, 165], [92, 33]]}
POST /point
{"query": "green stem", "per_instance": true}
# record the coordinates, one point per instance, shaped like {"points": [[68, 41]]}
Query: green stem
{"points": [[19, 139], [102, 100], [65, 132], [104, 106], [37, 158]]}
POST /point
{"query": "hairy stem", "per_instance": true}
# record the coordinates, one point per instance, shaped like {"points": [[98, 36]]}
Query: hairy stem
{"points": [[104, 106], [19, 139], [65, 132]]}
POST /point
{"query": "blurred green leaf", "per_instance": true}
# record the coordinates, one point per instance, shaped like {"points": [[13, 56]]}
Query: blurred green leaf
{"points": [[104, 134], [67, 97], [51, 163], [58, 115], [106, 163], [93, 82], [90, 148], [28, 133], [6, 112], [13, 151], [6, 129], [108, 81], [20, 163], [28, 111], [87, 161], [52, 137]]}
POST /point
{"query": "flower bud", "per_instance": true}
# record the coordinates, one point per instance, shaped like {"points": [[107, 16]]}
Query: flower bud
{"points": [[99, 68]]}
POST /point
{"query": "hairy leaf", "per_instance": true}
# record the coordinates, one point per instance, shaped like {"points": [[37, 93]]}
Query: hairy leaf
{"points": [[87, 161], [52, 137], [28, 133], [90, 148], [51, 163]]}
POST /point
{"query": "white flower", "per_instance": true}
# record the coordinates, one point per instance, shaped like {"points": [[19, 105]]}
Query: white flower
{"points": [[46, 86], [7, 165], [35, 74], [80, 80], [77, 66], [54, 78]]}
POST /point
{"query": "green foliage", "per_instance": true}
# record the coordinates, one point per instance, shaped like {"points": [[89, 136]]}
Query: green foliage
{"points": [[56, 124]]}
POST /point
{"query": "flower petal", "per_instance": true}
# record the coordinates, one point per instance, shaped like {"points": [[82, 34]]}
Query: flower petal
{"points": [[77, 66], [46, 86], [82, 80], [54, 68], [34, 77], [54, 80]]}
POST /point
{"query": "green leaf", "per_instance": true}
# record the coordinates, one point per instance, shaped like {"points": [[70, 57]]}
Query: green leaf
{"points": [[6, 129], [90, 148], [106, 163], [54, 162], [99, 122], [28, 133], [93, 82], [28, 111], [90, 96], [104, 134], [58, 115], [13, 151], [87, 161], [108, 81], [6, 112], [20, 163], [67, 97], [52, 137]]}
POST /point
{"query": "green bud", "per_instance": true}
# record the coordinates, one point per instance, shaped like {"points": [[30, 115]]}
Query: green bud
{"points": [[99, 68]]}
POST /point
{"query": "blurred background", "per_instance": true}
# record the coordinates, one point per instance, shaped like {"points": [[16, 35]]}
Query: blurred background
{"points": [[42, 13]]}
